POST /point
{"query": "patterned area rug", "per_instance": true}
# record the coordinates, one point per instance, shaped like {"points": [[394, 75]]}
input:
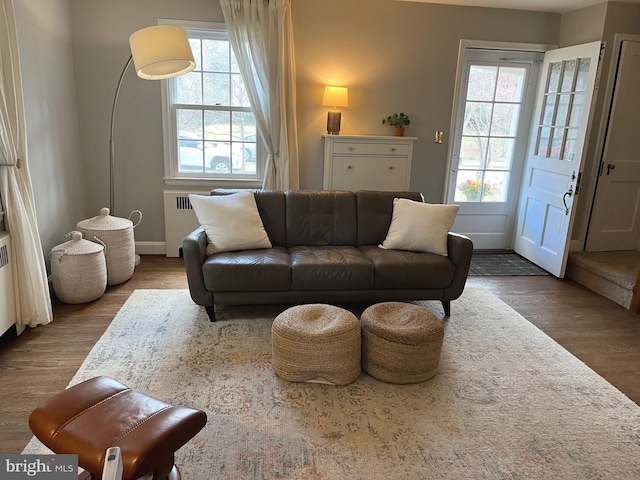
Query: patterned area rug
{"points": [[508, 402], [503, 264]]}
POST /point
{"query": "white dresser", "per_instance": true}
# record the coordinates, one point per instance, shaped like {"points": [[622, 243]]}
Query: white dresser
{"points": [[367, 162]]}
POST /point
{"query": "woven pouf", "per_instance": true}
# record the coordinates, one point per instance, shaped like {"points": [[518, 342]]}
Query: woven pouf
{"points": [[316, 343], [401, 343]]}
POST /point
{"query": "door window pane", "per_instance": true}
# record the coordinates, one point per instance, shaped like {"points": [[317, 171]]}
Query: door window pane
{"points": [[505, 119], [468, 186], [564, 112], [568, 75], [563, 108], [472, 152], [576, 109], [501, 153], [570, 145], [510, 84], [477, 118], [482, 82], [542, 148], [556, 142], [554, 77], [496, 186], [492, 109], [583, 73], [549, 109]]}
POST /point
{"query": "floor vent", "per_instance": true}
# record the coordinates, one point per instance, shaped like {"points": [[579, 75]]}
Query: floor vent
{"points": [[179, 219]]}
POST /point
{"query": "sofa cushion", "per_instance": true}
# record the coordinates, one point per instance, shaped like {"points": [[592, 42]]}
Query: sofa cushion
{"points": [[405, 269], [374, 211], [329, 268], [320, 218], [420, 227], [232, 222], [250, 270]]}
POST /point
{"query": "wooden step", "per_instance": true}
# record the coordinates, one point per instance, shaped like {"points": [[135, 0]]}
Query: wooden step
{"points": [[610, 274]]}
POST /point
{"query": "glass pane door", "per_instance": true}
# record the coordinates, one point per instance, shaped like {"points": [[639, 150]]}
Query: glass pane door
{"points": [[492, 111]]}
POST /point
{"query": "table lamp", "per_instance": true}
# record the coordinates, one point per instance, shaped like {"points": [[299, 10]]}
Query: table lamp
{"points": [[335, 97]]}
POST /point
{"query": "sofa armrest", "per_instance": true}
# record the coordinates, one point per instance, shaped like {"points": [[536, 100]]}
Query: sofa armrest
{"points": [[194, 247], [460, 250]]}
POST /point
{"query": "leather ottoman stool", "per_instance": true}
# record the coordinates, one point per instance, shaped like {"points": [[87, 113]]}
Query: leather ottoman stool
{"points": [[100, 413], [316, 343], [401, 342]]}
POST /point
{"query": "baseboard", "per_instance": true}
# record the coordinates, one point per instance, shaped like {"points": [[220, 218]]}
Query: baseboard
{"points": [[575, 246], [151, 248]]}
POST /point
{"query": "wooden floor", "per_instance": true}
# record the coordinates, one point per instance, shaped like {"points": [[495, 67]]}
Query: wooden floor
{"points": [[42, 361]]}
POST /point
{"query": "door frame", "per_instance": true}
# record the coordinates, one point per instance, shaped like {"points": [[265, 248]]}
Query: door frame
{"points": [[451, 165], [589, 190]]}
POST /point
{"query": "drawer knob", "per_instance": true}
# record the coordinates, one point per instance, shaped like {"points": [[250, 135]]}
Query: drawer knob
{"points": [[351, 148], [391, 168], [393, 149], [349, 167]]}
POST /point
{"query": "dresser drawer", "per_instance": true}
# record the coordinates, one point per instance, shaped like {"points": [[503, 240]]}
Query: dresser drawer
{"points": [[354, 148], [369, 173]]}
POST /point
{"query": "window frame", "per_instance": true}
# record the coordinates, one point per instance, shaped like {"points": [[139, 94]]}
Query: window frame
{"points": [[170, 134]]}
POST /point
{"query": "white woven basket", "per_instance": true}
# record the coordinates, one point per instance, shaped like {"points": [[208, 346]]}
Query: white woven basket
{"points": [[78, 270], [117, 235]]}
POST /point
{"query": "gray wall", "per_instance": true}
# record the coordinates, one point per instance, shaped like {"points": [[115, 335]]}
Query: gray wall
{"points": [[44, 38], [394, 57]]}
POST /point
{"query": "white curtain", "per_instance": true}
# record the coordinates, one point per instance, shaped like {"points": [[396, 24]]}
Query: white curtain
{"points": [[261, 35], [32, 290]]}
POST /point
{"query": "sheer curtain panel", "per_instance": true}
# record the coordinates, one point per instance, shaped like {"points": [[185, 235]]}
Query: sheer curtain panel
{"points": [[33, 303], [261, 35]]}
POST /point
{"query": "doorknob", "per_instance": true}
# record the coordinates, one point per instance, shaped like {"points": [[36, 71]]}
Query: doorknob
{"points": [[610, 167], [568, 193]]}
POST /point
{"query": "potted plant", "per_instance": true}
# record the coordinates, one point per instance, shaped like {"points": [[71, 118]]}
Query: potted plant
{"points": [[399, 121], [471, 189]]}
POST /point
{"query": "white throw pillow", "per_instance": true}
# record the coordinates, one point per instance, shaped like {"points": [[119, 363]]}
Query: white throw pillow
{"points": [[232, 222], [420, 227]]}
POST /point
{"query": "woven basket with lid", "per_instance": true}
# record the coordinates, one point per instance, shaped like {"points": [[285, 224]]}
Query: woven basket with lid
{"points": [[117, 235], [78, 270]]}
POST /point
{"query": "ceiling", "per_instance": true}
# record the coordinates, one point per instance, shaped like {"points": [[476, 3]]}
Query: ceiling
{"points": [[555, 6]]}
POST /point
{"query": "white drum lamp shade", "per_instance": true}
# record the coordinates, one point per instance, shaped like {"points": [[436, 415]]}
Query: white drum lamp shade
{"points": [[161, 51]]}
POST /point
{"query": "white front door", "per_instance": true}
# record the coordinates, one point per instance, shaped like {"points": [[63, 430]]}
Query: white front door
{"points": [[615, 219], [555, 156], [496, 92]]}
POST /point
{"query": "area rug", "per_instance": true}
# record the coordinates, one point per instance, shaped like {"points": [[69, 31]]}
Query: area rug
{"points": [[508, 402], [503, 264]]}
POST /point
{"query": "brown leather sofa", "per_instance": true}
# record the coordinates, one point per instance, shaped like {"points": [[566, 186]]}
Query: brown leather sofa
{"points": [[325, 249]]}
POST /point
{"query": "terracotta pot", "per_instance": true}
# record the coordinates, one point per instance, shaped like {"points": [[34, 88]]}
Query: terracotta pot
{"points": [[398, 131]]}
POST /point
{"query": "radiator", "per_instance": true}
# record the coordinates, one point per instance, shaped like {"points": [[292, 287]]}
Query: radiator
{"points": [[7, 298], [179, 220]]}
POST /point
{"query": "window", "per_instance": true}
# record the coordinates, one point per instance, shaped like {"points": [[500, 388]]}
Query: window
{"points": [[563, 102], [211, 130], [492, 110]]}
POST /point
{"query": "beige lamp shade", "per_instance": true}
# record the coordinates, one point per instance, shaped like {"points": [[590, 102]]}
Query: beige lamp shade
{"points": [[335, 97], [161, 51]]}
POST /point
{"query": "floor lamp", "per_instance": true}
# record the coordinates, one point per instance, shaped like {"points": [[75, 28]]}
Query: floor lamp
{"points": [[158, 52]]}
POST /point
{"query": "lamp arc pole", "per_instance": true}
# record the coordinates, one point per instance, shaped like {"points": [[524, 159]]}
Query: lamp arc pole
{"points": [[111, 141]]}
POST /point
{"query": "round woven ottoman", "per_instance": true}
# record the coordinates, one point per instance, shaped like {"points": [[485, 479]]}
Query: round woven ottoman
{"points": [[316, 343], [401, 343]]}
